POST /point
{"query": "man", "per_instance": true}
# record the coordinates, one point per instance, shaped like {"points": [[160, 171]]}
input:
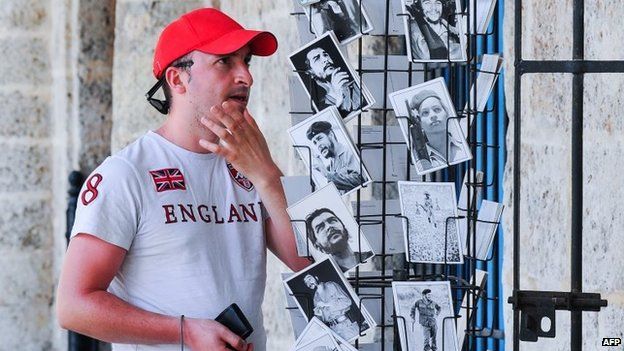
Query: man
{"points": [[333, 160], [427, 206], [332, 305], [329, 235], [333, 86], [173, 225], [432, 35], [444, 144], [428, 310]]}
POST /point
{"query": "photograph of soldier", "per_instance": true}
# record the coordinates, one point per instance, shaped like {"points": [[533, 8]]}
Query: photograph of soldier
{"points": [[427, 312], [334, 157], [434, 31], [429, 124], [424, 306], [430, 232], [428, 207], [341, 16], [328, 78], [325, 222], [322, 291]]}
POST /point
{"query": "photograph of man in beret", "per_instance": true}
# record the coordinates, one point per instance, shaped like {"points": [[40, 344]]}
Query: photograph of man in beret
{"points": [[428, 310], [333, 157]]}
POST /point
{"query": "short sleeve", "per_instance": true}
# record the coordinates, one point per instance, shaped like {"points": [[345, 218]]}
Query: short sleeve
{"points": [[109, 203]]}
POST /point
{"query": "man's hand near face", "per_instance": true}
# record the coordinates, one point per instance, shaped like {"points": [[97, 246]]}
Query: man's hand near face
{"points": [[338, 82], [242, 144]]}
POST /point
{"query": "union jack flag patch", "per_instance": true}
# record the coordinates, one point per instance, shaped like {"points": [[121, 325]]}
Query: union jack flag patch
{"points": [[168, 179]]}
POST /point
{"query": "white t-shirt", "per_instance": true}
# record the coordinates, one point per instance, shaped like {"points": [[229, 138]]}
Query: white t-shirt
{"points": [[193, 228]]}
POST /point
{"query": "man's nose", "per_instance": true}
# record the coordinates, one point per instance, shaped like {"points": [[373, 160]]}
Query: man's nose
{"points": [[243, 76]]}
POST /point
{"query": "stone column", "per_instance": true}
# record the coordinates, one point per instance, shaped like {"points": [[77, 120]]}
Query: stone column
{"points": [[546, 167], [26, 281]]}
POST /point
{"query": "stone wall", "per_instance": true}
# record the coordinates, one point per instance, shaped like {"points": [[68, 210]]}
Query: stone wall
{"points": [[26, 170], [545, 167], [55, 92]]}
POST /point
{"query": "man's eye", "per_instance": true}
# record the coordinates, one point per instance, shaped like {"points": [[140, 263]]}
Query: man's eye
{"points": [[224, 60]]}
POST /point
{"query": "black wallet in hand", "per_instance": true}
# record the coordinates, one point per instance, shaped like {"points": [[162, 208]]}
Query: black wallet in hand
{"points": [[234, 319]]}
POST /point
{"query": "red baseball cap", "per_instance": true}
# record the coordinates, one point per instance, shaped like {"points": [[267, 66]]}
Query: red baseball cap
{"points": [[211, 31]]}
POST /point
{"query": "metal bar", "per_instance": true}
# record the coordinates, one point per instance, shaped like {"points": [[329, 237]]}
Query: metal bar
{"points": [[576, 66], [578, 53], [516, 166]]}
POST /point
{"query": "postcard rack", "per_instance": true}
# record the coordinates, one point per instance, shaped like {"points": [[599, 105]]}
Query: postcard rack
{"points": [[482, 326]]}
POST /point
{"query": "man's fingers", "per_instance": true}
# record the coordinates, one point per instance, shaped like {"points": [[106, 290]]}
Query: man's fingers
{"points": [[220, 114], [221, 132], [212, 147], [233, 340]]}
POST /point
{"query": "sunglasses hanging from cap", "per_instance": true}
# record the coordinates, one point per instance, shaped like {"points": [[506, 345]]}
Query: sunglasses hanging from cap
{"points": [[163, 105]]}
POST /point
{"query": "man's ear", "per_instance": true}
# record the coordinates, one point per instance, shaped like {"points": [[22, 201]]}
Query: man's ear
{"points": [[173, 76]]}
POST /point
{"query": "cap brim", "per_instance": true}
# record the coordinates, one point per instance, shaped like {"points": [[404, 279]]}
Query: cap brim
{"points": [[261, 43]]}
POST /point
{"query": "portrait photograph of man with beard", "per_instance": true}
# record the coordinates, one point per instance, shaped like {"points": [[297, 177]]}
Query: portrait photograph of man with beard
{"points": [[325, 222], [434, 31], [328, 78]]}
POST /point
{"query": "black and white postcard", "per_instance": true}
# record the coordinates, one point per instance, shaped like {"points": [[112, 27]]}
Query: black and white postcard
{"points": [[341, 16], [490, 68], [485, 10], [324, 342], [434, 30], [297, 320], [430, 227], [422, 308], [307, 2], [487, 222], [316, 329], [323, 142], [329, 79], [330, 229], [433, 132], [322, 291]]}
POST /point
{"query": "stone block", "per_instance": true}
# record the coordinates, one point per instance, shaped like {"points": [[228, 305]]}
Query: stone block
{"points": [[29, 281], [547, 31], [96, 30], [26, 327], [28, 62], [26, 224], [603, 100], [28, 15], [95, 123], [25, 167], [25, 115], [602, 37]]}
